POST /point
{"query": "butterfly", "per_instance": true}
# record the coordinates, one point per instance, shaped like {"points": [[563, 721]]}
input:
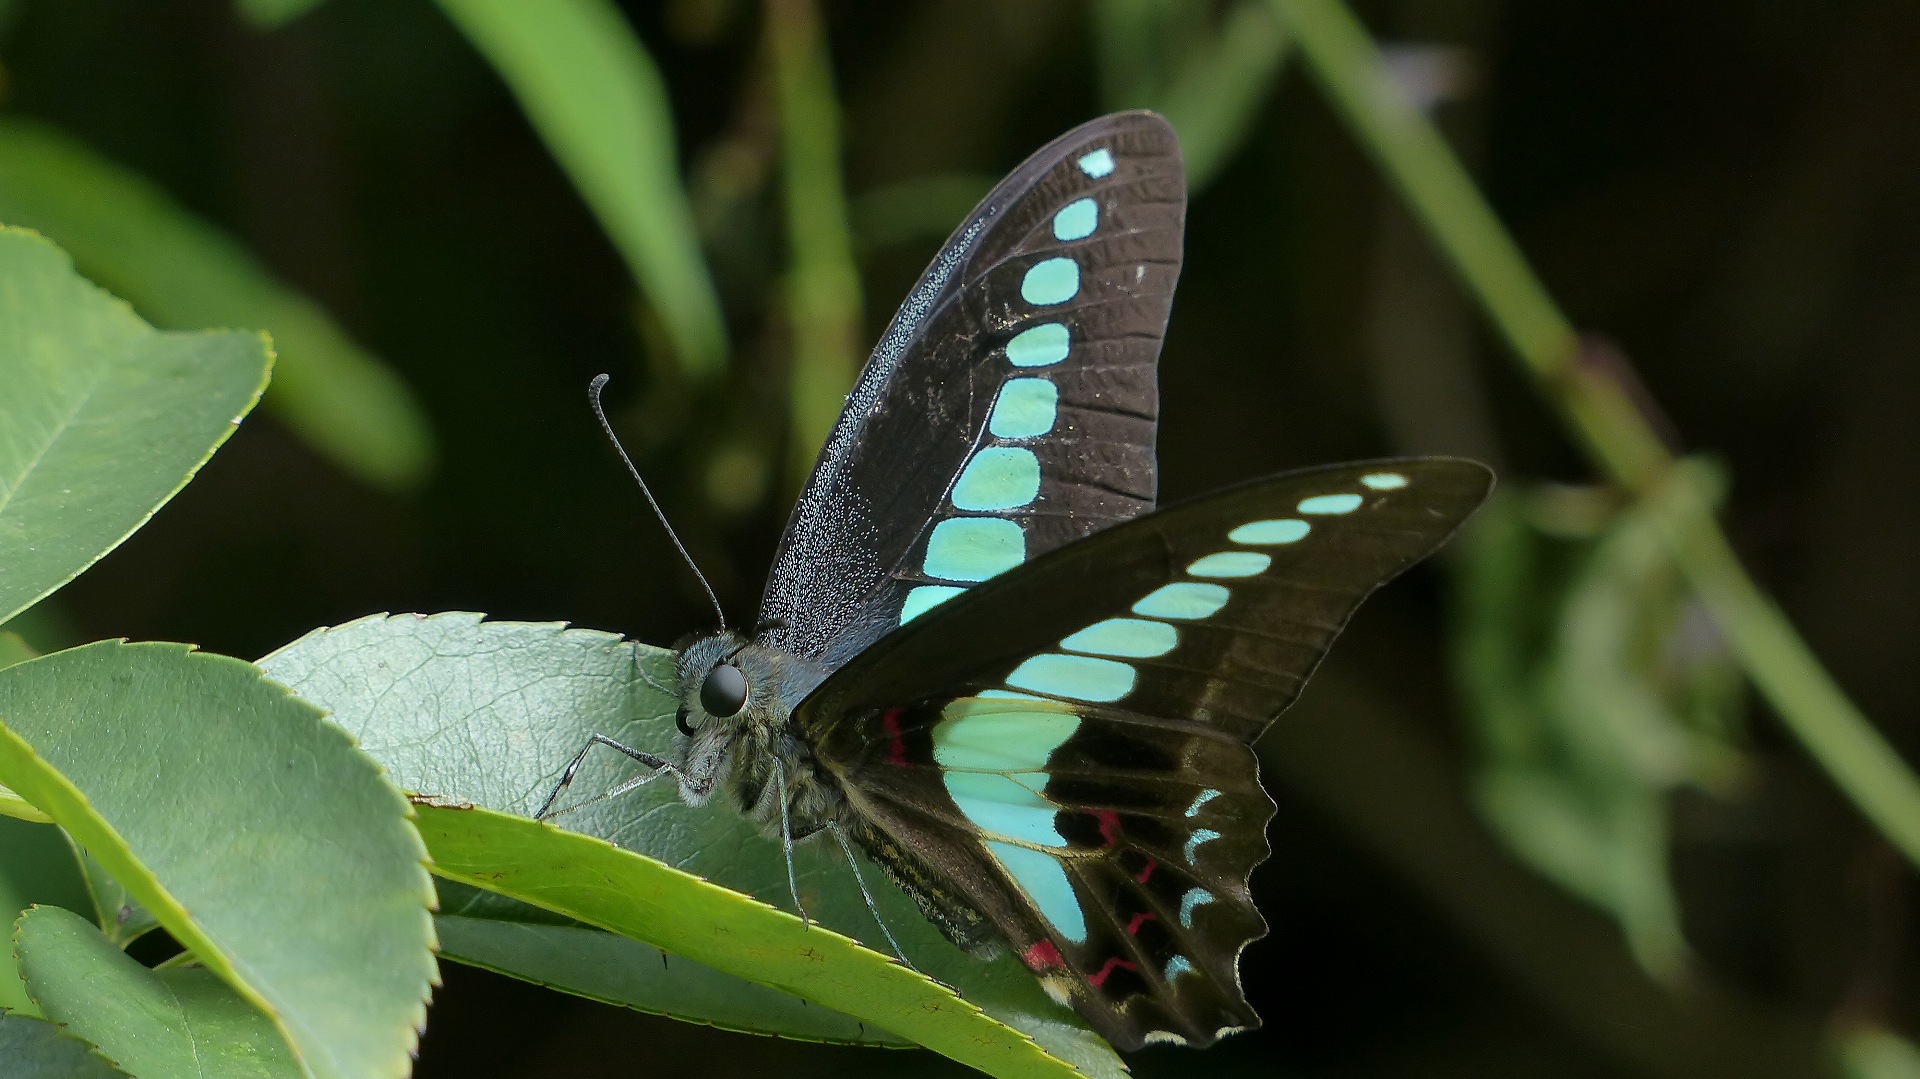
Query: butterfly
{"points": [[986, 659]]}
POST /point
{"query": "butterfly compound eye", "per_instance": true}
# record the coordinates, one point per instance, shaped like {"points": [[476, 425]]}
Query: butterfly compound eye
{"points": [[724, 692]]}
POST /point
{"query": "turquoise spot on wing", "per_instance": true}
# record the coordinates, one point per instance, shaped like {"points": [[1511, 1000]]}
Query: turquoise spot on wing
{"points": [[924, 598], [974, 548], [1082, 678], [1231, 564], [1184, 599], [1045, 882], [1098, 164], [1026, 408], [1201, 799], [1006, 695], [1384, 481], [1270, 533], [1050, 281], [1200, 835], [1177, 966], [1077, 220], [977, 735], [1188, 902], [1133, 637], [1326, 504], [1039, 346], [998, 478], [1006, 805]]}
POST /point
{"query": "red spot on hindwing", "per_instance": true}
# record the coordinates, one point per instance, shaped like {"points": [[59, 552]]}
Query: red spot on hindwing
{"points": [[896, 743], [1147, 872], [1041, 956], [1133, 927], [1109, 825], [1112, 963]]}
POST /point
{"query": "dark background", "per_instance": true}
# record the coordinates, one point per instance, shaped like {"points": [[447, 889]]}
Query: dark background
{"points": [[1730, 192]]}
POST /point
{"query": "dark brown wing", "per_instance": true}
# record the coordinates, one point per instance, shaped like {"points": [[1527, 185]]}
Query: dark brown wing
{"points": [[1064, 752]]}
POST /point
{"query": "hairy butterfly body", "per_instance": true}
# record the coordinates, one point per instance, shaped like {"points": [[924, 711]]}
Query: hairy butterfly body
{"points": [[989, 662]]}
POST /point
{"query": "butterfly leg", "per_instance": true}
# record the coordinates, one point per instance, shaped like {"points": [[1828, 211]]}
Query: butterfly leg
{"points": [[786, 840], [858, 878], [660, 765]]}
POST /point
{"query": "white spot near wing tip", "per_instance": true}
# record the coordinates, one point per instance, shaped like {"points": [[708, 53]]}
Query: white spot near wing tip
{"points": [[1162, 1037]]}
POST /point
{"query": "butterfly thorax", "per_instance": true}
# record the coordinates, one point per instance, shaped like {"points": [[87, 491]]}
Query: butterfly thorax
{"points": [[755, 751]]}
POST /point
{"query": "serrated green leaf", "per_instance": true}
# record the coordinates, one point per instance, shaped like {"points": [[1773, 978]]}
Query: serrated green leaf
{"points": [[36, 866], [490, 712], [484, 929], [37, 1049], [599, 883], [595, 96], [102, 418], [253, 830], [183, 273], [185, 1023]]}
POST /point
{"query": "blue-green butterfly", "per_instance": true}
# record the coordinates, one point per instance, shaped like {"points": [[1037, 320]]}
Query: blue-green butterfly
{"points": [[983, 655]]}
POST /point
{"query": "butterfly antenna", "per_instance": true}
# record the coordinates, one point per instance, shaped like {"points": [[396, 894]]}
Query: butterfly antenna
{"points": [[593, 394]]}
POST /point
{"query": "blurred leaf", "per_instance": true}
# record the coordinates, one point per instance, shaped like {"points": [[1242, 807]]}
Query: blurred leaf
{"points": [[36, 866], [1209, 81], [593, 93], [272, 13], [313, 902], [639, 897], [152, 1023], [1878, 1053], [44, 627], [103, 418], [13, 648], [183, 273], [490, 712], [823, 284], [37, 1049], [1140, 43], [925, 208], [1583, 677], [524, 942]]}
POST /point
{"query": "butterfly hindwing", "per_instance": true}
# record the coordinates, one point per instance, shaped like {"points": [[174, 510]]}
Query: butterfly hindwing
{"points": [[1011, 406], [1065, 751]]}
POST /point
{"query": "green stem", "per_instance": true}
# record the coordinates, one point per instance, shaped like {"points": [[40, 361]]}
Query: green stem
{"points": [[823, 285], [1436, 187]]}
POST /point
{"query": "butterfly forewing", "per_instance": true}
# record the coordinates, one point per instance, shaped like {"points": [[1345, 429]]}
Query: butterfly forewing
{"points": [[1065, 751], [1011, 406]]}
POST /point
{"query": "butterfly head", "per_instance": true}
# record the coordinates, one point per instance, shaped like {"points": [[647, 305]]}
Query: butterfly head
{"points": [[729, 691]]}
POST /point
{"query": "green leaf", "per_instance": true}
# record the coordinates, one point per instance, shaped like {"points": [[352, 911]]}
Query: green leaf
{"points": [[822, 281], [183, 273], [36, 866], [593, 93], [102, 418], [37, 1049], [14, 648], [253, 830], [483, 929], [594, 881], [490, 712], [152, 1023], [115, 909], [1218, 89]]}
